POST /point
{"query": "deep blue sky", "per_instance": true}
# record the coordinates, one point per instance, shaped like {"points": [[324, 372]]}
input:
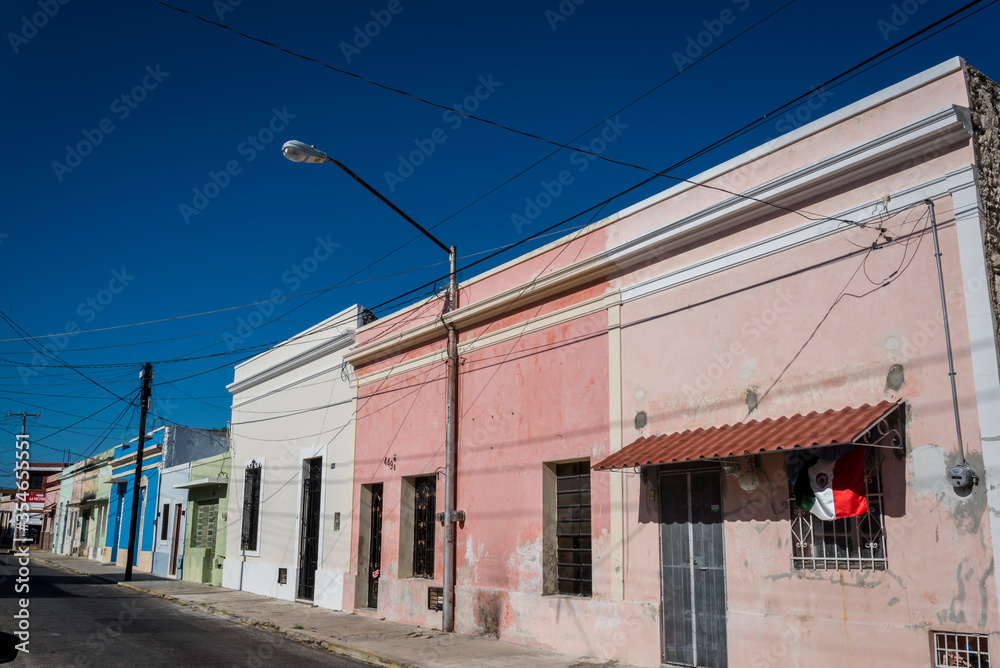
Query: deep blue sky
{"points": [[68, 227]]}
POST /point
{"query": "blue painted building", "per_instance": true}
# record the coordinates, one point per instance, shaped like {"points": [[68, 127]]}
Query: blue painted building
{"points": [[123, 486]]}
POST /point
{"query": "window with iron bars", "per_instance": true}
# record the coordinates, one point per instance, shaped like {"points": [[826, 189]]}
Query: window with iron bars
{"points": [[424, 504], [850, 543], [251, 507], [573, 547], [961, 649]]}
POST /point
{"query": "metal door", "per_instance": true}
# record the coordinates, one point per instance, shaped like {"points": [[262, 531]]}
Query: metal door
{"points": [[312, 485], [175, 543], [84, 533], [693, 569], [120, 514], [375, 546], [142, 521]]}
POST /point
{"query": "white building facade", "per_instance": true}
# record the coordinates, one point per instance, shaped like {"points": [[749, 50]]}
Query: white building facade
{"points": [[290, 500]]}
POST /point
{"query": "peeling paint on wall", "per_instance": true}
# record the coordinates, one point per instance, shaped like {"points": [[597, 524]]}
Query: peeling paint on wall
{"points": [[525, 567], [929, 465]]}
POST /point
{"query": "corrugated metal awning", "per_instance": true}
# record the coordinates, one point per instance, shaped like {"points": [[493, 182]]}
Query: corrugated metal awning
{"points": [[814, 430]]}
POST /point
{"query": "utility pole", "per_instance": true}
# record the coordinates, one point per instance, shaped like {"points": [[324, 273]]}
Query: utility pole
{"points": [[17, 472], [147, 378], [24, 420], [297, 151]]}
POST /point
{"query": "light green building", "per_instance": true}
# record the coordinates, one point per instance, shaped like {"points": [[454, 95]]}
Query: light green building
{"points": [[208, 500]]}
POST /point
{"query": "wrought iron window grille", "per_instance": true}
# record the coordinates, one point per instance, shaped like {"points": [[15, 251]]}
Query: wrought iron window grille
{"points": [[251, 506], [424, 505], [573, 538], [852, 543], [961, 649]]}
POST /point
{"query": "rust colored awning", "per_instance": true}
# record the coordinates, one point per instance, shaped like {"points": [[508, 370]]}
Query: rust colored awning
{"points": [[814, 430]]}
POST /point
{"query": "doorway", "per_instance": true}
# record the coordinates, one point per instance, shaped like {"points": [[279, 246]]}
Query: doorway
{"points": [[119, 514], [84, 534], [175, 543], [139, 532], [693, 571], [312, 486], [375, 546]]}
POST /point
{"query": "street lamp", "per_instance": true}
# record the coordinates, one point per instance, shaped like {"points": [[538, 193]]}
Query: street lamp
{"points": [[297, 151]]}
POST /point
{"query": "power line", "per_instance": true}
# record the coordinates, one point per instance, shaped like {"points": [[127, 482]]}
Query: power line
{"points": [[495, 123], [533, 236]]}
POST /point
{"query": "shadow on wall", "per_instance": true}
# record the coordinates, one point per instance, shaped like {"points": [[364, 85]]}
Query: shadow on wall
{"points": [[769, 502]]}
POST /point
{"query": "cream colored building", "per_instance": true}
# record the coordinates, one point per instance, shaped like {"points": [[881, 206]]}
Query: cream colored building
{"points": [[289, 514]]}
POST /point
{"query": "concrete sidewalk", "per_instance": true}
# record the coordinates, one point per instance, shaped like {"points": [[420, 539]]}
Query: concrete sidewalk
{"points": [[368, 639]]}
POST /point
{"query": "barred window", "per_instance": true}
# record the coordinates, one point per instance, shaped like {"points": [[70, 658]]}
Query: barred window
{"points": [[206, 523], [573, 555], [251, 507], [850, 543], [424, 504], [961, 649]]}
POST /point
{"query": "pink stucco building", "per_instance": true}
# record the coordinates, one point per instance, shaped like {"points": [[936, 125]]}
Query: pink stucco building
{"points": [[599, 520]]}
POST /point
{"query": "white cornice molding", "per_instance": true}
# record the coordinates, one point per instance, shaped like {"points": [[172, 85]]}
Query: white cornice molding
{"points": [[915, 82], [940, 129], [319, 351], [940, 186], [944, 127], [154, 451], [282, 388]]}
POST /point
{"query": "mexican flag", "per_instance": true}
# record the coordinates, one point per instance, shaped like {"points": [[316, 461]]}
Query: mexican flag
{"points": [[834, 488]]}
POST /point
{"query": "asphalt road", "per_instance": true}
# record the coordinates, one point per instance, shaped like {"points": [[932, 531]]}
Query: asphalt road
{"points": [[78, 620]]}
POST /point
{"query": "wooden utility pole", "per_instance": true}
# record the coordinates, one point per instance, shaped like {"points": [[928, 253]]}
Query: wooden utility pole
{"points": [[147, 378], [18, 472], [24, 420]]}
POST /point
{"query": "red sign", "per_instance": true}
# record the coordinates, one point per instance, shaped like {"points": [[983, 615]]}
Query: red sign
{"points": [[35, 497]]}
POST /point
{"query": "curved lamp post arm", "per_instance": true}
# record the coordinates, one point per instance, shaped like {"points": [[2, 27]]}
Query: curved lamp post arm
{"points": [[297, 151]]}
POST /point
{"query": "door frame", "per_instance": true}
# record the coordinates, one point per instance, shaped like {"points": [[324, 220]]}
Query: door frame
{"points": [[175, 539], [372, 588], [660, 473], [305, 509], [305, 454]]}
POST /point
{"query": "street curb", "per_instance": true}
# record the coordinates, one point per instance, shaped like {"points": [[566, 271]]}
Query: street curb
{"points": [[333, 647], [60, 567]]}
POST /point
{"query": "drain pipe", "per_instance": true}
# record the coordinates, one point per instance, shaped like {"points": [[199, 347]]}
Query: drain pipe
{"points": [[961, 476], [451, 516]]}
